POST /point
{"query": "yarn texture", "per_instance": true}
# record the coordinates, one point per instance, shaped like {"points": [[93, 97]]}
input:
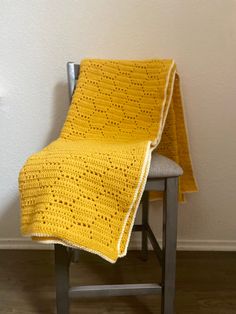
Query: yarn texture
{"points": [[83, 189]]}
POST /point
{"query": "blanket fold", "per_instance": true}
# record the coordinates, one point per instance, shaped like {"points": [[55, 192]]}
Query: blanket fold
{"points": [[83, 190]]}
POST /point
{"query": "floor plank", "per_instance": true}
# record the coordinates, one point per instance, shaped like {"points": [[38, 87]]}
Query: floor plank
{"points": [[206, 283]]}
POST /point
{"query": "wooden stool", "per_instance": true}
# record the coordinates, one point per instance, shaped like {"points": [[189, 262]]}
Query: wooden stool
{"points": [[163, 176]]}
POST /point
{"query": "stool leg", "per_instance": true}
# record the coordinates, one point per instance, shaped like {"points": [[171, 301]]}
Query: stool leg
{"points": [[169, 245], [62, 263], [75, 255], [145, 208]]}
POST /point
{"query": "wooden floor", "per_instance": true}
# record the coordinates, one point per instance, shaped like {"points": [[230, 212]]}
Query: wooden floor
{"points": [[206, 283]]}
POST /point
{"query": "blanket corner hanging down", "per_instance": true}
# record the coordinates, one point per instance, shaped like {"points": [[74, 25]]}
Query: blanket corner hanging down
{"points": [[83, 189]]}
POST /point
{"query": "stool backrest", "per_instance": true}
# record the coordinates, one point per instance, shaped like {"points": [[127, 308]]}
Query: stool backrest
{"points": [[72, 76]]}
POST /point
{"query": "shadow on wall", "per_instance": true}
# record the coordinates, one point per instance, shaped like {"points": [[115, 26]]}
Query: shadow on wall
{"points": [[59, 111], [10, 213]]}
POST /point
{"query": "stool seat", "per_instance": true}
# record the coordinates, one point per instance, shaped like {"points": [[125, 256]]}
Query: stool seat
{"points": [[163, 167]]}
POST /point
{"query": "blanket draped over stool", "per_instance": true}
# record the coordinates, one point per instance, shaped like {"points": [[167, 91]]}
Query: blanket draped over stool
{"points": [[83, 190]]}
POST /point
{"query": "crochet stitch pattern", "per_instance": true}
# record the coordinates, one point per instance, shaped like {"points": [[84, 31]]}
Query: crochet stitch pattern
{"points": [[83, 189]]}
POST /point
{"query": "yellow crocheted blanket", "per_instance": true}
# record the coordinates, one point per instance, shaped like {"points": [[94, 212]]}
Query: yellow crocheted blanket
{"points": [[83, 189]]}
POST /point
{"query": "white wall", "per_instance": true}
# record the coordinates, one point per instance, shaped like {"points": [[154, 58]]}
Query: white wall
{"points": [[37, 38]]}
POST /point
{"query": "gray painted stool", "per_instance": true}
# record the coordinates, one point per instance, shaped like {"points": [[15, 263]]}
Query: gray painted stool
{"points": [[163, 176]]}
